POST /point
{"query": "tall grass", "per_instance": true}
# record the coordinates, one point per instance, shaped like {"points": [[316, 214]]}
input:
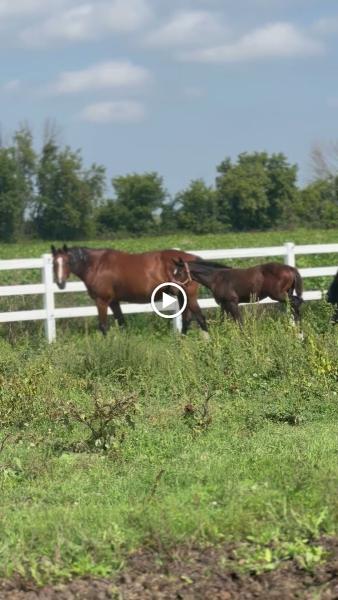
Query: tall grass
{"points": [[235, 439]]}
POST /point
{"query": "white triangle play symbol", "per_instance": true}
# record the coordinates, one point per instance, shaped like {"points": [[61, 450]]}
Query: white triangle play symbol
{"points": [[167, 300]]}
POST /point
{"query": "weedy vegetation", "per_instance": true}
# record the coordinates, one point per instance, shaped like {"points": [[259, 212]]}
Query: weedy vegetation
{"points": [[145, 438]]}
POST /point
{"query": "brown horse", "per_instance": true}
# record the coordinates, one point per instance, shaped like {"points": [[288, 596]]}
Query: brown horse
{"points": [[111, 276], [232, 286]]}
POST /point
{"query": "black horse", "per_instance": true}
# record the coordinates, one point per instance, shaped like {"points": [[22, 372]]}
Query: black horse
{"points": [[232, 286], [332, 297]]}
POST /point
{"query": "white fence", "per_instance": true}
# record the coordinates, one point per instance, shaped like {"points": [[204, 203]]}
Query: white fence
{"points": [[48, 289]]}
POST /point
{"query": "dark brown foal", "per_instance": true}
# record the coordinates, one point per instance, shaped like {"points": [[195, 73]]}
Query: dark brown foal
{"points": [[232, 286]]}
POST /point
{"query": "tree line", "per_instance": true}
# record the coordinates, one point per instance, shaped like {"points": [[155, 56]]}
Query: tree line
{"points": [[50, 194]]}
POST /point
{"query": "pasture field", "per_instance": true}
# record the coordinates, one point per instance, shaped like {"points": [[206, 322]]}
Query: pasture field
{"points": [[184, 241], [147, 440], [144, 438]]}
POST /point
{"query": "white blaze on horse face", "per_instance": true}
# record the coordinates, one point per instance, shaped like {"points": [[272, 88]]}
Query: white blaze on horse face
{"points": [[59, 270]]}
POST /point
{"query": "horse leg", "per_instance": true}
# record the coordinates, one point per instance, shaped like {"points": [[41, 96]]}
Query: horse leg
{"points": [[192, 310], [295, 306], [186, 315], [102, 308], [186, 320], [295, 303], [200, 318], [232, 308], [283, 298], [117, 312], [334, 319], [222, 313]]}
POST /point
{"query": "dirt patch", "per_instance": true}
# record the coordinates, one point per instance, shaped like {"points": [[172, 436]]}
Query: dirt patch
{"points": [[192, 574]]}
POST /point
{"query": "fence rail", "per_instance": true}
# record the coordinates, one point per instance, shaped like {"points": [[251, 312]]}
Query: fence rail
{"points": [[48, 289]]}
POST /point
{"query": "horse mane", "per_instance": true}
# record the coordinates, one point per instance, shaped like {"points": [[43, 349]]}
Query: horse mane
{"points": [[211, 264], [78, 255]]}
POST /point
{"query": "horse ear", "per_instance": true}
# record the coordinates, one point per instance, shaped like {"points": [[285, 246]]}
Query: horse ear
{"points": [[65, 248], [53, 249]]}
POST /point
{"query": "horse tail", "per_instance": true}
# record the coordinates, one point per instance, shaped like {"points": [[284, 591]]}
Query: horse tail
{"points": [[298, 284]]}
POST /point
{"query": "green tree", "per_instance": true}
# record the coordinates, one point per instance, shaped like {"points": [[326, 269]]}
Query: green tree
{"points": [[136, 206], [169, 217], [256, 192], [112, 219], [11, 198], [67, 194], [26, 160], [197, 208], [282, 190], [318, 204], [17, 180]]}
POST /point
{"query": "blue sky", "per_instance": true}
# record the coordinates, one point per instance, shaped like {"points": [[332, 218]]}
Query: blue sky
{"points": [[172, 86]]}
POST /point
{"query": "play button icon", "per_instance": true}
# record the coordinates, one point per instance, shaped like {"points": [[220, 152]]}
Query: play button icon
{"points": [[166, 299]]}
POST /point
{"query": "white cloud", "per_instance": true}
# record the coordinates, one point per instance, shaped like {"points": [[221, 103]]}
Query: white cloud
{"points": [[11, 86], [126, 111], [326, 25], [88, 21], [18, 9], [276, 40], [186, 27], [100, 76]]}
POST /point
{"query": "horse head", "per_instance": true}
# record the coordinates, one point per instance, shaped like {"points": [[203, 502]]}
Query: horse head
{"points": [[182, 270], [61, 265]]}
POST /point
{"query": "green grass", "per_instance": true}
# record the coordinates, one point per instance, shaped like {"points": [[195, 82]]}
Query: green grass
{"points": [[235, 439], [252, 457], [186, 241]]}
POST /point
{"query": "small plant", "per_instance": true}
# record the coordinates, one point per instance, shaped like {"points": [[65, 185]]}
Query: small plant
{"points": [[320, 360], [199, 417], [287, 417], [258, 558], [10, 468], [105, 421], [19, 397], [312, 525]]}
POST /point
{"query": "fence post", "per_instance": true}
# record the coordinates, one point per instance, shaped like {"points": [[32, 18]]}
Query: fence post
{"points": [[289, 257], [177, 323], [48, 298]]}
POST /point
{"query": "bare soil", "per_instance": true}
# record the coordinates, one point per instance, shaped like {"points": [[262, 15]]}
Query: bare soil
{"points": [[192, 574]]}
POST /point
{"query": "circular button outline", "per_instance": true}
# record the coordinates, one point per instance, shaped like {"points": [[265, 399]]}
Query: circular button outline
{"points": [[171, 284]]}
